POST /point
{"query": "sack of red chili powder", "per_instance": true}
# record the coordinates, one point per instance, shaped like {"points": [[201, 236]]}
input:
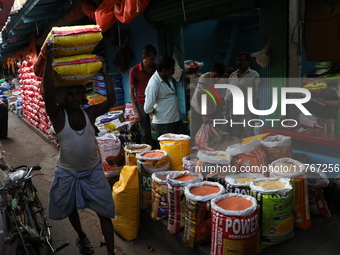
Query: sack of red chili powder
{"points": [[197, 228], [176, 181], [150, 162], [159, 192], [235, 225]]}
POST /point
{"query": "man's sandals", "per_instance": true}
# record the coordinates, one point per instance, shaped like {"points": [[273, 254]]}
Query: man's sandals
{"points": [[84, 246]]}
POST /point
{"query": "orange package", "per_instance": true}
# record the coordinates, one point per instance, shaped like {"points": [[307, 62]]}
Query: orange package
{"points": [[302, 217], [249, 157]]}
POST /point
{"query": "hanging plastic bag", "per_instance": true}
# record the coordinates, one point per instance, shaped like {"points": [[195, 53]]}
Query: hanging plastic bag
{"points": [[206, 133], [104, 17], [127, 10], [263, 56], [178, 70]]}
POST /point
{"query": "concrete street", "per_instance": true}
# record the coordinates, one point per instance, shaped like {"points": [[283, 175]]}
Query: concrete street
{"points": [[29, 146]]}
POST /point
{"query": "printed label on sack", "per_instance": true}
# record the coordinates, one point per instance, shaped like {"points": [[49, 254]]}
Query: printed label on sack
{"points": [[235, 235]]}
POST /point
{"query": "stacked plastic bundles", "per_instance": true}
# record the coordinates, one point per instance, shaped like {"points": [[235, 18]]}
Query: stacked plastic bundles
{"points": [[72, 64]]}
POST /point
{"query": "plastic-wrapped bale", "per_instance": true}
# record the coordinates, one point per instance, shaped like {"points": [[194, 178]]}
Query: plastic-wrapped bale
{"points": [[214, 165], [131, 151], [75, 70], [124, 193], [69, 41], [275, 198], [295, 170], [276, 147], [197, 228], [149, 162], [176, 181], [235, 225], [159, 193], [249, 156], [177, 147], [239, 183]]}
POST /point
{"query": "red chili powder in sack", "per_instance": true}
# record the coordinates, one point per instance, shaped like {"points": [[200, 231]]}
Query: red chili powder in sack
{"points": [[186, 178], [234, 203], [153, 154], [204, 190]]}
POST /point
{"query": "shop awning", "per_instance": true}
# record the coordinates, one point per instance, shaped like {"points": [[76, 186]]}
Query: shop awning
{"points": [[169, 13], [5, 9], [33, 17]]}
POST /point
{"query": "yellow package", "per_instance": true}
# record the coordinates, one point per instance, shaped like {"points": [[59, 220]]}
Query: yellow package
{"points": [[68, 41], [125, 193], [75, 70], [74, 40], [177, 147]]}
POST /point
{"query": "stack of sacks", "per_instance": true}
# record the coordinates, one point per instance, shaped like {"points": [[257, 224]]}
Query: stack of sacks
{"points": [[99, 92], [33, 105], [72, 64]]}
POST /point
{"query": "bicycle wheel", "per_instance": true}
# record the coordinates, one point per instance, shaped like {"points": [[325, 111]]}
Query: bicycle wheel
{"points": [[17, 247], [38, 213]]}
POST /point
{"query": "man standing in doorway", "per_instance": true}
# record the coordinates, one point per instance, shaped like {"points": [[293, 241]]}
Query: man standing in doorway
{"points": [[214, 76], [244, 77], [161, 99], [138, 79]]}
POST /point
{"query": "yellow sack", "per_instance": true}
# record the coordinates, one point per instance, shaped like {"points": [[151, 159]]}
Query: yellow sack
{"points": [[69, 41], [74, 40], [125, 193], [177, 147], [75, 70], [316, 85]]}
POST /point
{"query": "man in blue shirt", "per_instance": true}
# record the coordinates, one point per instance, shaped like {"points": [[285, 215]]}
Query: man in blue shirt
{"points": [[5, 85]]}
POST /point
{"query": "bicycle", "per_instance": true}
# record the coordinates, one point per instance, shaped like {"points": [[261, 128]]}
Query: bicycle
{"points": [[26, 229]]}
